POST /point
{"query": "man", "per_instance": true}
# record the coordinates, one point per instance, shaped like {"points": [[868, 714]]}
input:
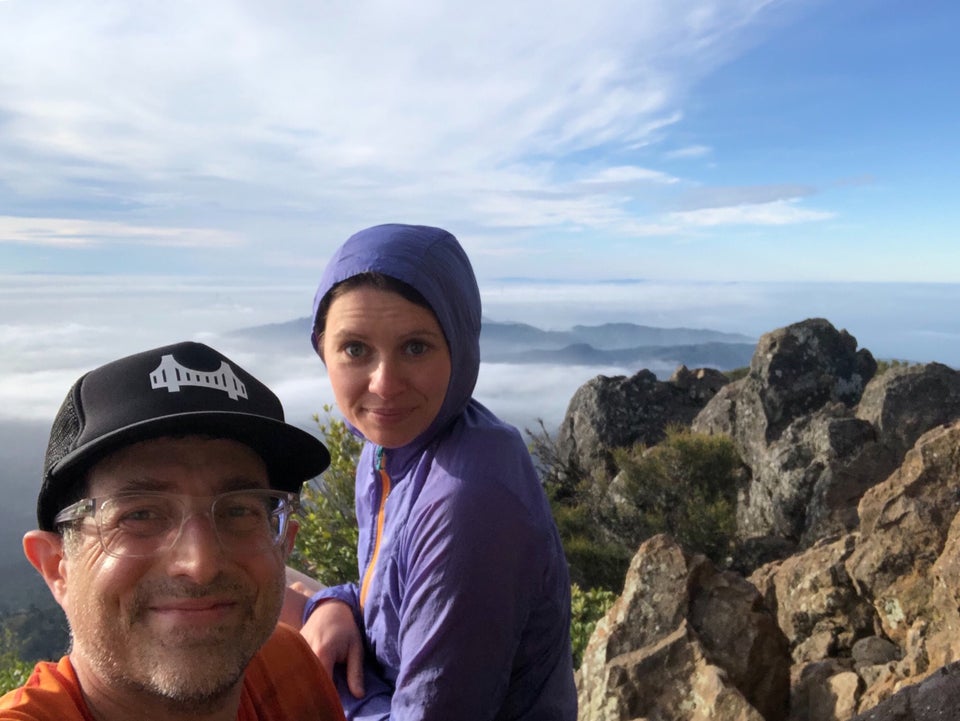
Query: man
{"points": [[164, 525]]}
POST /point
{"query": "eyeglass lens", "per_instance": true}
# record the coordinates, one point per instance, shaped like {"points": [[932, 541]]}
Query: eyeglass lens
{"points": [[145, 524]]}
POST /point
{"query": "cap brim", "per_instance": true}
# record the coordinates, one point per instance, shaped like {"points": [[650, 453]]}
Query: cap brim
{"points": [[292, 455]]}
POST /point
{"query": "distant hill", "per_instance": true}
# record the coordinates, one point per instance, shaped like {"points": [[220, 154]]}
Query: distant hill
{"points": [[497, 337], [722, 356], [606, 344]]}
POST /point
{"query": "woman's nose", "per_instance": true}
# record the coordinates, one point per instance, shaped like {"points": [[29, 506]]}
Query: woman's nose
{"points": [[386, 379]]}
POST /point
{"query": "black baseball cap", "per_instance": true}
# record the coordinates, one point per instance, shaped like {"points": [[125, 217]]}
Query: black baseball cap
{"points": [[177, 389]]}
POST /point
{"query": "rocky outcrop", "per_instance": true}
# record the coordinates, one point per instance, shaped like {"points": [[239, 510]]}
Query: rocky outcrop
{"points": [[684, 641], [816, 602], [793, 420], [900, 564], [620, 412], [818, 430], [862, 616], [854, 496]]}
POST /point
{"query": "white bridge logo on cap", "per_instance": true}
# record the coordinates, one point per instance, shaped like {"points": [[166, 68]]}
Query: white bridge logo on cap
{"points": [[172, 376]]}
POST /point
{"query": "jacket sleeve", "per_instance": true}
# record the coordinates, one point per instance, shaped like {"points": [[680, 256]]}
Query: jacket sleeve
{"points": [[375, 705], [349, 593], [469, 554]]}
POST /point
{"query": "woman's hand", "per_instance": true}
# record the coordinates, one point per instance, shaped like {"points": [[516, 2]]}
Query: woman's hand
{"points": [[334, 637]]}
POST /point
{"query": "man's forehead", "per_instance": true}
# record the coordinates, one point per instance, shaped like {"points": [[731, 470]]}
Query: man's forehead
{"points": [[182, 464]]}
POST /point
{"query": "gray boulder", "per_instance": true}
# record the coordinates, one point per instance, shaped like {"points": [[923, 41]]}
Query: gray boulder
{"points": [[804, 366], [619, 412], [792, 418], [907, 401]]}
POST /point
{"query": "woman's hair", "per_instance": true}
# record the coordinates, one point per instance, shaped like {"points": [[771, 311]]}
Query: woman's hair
{"points": [[370, 279]]}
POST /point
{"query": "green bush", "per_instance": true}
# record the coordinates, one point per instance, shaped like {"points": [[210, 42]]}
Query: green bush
{"points": [[596, 560], [735, 374], [14, 671], [885, 365], [587, 608], [326, 545], [581, 510], [685, 486]]}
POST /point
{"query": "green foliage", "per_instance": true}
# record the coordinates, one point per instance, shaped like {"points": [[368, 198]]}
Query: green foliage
{"points": [[14, 671], [735, 374], [884, 365], [684, 486], [587, 607], [40, 631], [326, 545], [596, 559]]}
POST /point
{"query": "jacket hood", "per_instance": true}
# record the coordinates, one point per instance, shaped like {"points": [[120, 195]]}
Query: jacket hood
{"points": [[432, 261]]}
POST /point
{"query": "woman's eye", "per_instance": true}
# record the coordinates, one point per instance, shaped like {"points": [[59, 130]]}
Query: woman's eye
{"points": [[417, 347], [353, 350]]}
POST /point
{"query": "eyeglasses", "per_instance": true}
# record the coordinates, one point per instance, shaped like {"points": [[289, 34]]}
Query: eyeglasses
{"points": [[138, 525]]}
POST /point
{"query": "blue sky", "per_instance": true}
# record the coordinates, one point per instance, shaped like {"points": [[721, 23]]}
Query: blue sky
{"points": [[665, 140], [179, 169]]}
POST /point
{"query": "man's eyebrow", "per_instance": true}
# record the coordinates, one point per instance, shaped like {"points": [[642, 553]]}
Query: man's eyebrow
{"points": [[140, 483], [148, 484]]}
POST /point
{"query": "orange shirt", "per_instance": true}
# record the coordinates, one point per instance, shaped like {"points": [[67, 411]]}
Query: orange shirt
{"points": [[283, 682]]}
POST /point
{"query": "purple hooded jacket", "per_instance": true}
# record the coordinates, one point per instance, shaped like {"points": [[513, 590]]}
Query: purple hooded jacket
{"points": [[467, 610]]}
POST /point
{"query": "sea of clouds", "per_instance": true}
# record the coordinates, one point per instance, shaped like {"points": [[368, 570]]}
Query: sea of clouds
{"points": [[53, 328]]}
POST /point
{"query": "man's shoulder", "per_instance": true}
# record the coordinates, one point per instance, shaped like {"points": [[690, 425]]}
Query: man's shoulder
{"points": [[52, 693], [285, 680], [283, 642]]}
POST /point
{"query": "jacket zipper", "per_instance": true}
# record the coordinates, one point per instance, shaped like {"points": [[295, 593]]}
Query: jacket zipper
{"points": [[381, 514]]}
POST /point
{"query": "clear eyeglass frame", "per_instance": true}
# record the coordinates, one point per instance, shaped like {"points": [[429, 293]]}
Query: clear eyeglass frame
{"points": [[145, 524]]}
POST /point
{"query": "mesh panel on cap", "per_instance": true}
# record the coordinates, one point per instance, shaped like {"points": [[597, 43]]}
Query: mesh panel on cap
{"points": [[63, 435]]}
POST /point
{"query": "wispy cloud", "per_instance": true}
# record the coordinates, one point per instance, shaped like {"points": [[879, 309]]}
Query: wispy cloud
{"points": [[780, 212], [691, 151], [732, 196], [209, 115], [621, 175], [74, 233]]}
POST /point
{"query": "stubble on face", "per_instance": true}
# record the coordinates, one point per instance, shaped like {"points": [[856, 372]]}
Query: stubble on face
{"points": [[185, 669]]}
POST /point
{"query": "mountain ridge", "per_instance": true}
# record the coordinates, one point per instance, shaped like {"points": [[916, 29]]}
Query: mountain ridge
{"points": [[603, 344]]}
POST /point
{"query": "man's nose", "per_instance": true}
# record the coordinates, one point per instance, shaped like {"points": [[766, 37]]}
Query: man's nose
{"points": [[197, 552]]}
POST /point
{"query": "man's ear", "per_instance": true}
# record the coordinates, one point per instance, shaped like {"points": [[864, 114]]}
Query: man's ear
{"points": [[44, 550]]}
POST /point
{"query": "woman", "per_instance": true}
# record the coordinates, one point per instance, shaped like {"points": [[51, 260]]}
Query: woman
{"points": [[463, 609]]}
